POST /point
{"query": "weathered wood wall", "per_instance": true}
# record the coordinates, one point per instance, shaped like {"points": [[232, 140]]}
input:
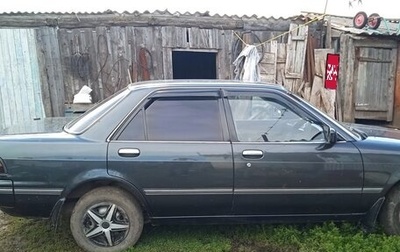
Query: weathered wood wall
{"points": [[20, 96], [108, 58], [107, 51]]}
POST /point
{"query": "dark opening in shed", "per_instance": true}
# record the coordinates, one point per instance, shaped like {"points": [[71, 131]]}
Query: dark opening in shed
{"points": [[194, 65]]}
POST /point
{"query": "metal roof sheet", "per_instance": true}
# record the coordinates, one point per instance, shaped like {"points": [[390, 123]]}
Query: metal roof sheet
{"points": [[146, 13]]}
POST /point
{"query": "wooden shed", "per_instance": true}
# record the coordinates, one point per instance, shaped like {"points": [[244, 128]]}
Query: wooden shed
{"points": [[369, 78]]}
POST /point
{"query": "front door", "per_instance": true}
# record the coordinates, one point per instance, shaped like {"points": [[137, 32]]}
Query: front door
{"points": [[283, 165], [175, 150]]}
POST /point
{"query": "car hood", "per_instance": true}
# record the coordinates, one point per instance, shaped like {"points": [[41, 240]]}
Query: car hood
{"points": [[379, 145], [376, 131]]}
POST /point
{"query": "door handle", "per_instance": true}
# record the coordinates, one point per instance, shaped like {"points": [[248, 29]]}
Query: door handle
{"points": [[126, 152], [254, 154]]}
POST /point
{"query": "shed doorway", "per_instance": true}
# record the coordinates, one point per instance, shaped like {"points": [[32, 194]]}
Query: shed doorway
{"points": [[194, 65]]}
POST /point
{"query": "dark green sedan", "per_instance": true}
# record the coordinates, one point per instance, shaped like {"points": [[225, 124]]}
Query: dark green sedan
{"points": [[199, 151]]}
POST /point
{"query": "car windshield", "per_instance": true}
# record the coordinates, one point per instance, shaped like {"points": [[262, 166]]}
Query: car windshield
{"points": [[81, 123]]}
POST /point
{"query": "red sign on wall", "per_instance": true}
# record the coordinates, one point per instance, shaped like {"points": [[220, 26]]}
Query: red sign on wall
{"points": [[332, 71]]}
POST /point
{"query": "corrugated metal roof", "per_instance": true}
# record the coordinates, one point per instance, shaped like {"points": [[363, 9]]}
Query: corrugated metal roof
{"points": [[388, 27], [146, 13], [157, 18]]}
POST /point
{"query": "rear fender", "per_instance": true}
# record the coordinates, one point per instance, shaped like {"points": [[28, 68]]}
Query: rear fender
{"points": [[89, 180]]}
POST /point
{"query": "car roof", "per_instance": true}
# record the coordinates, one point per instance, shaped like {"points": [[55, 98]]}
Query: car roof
{"points": [[155, 84]]}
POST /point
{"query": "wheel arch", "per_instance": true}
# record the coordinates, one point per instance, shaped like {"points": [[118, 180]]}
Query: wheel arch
{"points": [[375, 211], [80, 189], [77, 189]]}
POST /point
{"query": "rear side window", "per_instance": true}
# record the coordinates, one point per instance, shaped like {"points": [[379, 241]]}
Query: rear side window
{"points": [[135, 129], [177, 119]]}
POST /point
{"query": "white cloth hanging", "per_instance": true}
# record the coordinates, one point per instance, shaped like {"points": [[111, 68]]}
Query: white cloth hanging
{"points": [[246, 65]]}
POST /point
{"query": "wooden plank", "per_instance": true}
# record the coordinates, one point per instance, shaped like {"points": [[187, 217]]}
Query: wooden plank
{"points": [[157, 54], [371, 115], [25, 99], [107, 60], [224, 58], [167, 63], [396, 102], [7, 91], [321, 97], [315, 97], [65, 45], [91, 58], [280, 63], [392, 84], [328, 38], [370, 42], [295, 58], [149, 40], [347, 78], [131, 40], [118, 71], [268, 65], [102, 58], [51, 73], [174, 37], [45, 86], [76, 57]]}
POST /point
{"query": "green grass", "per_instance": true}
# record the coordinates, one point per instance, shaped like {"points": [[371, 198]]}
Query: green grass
{"points": [[36, 235]]}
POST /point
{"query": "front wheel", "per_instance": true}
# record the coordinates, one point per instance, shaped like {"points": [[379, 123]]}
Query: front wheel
{"points": [[106, 219], [390, 213]]}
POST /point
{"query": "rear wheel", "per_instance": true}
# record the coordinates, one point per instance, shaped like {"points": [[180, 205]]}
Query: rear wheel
{"points": [[106, 219], [390, 213]]}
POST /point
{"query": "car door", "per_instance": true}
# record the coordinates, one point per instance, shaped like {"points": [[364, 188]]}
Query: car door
{"points": [[174, 148], [283, 164]]}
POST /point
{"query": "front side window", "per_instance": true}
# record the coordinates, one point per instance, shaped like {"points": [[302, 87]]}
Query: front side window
{"points": [[263, 119], [177, 119]]}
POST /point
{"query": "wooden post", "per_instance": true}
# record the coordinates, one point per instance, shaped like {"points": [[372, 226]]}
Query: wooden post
{"points": [[328, 38], [396, 111], [348, 80]]}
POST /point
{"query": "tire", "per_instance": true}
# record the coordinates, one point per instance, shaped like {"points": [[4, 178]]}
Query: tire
{"points": [[390, 213], [360, 20], [106, 219], [374, 21]]}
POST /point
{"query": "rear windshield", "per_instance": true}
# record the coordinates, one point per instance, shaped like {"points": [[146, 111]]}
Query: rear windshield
{"points": [[83, 122]]}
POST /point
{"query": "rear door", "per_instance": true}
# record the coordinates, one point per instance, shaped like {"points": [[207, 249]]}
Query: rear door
{"points": [[175, 150], [283, 165]]}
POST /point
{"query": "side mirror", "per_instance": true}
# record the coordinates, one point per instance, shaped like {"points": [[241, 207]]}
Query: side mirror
{"points": [[330, 134]]}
